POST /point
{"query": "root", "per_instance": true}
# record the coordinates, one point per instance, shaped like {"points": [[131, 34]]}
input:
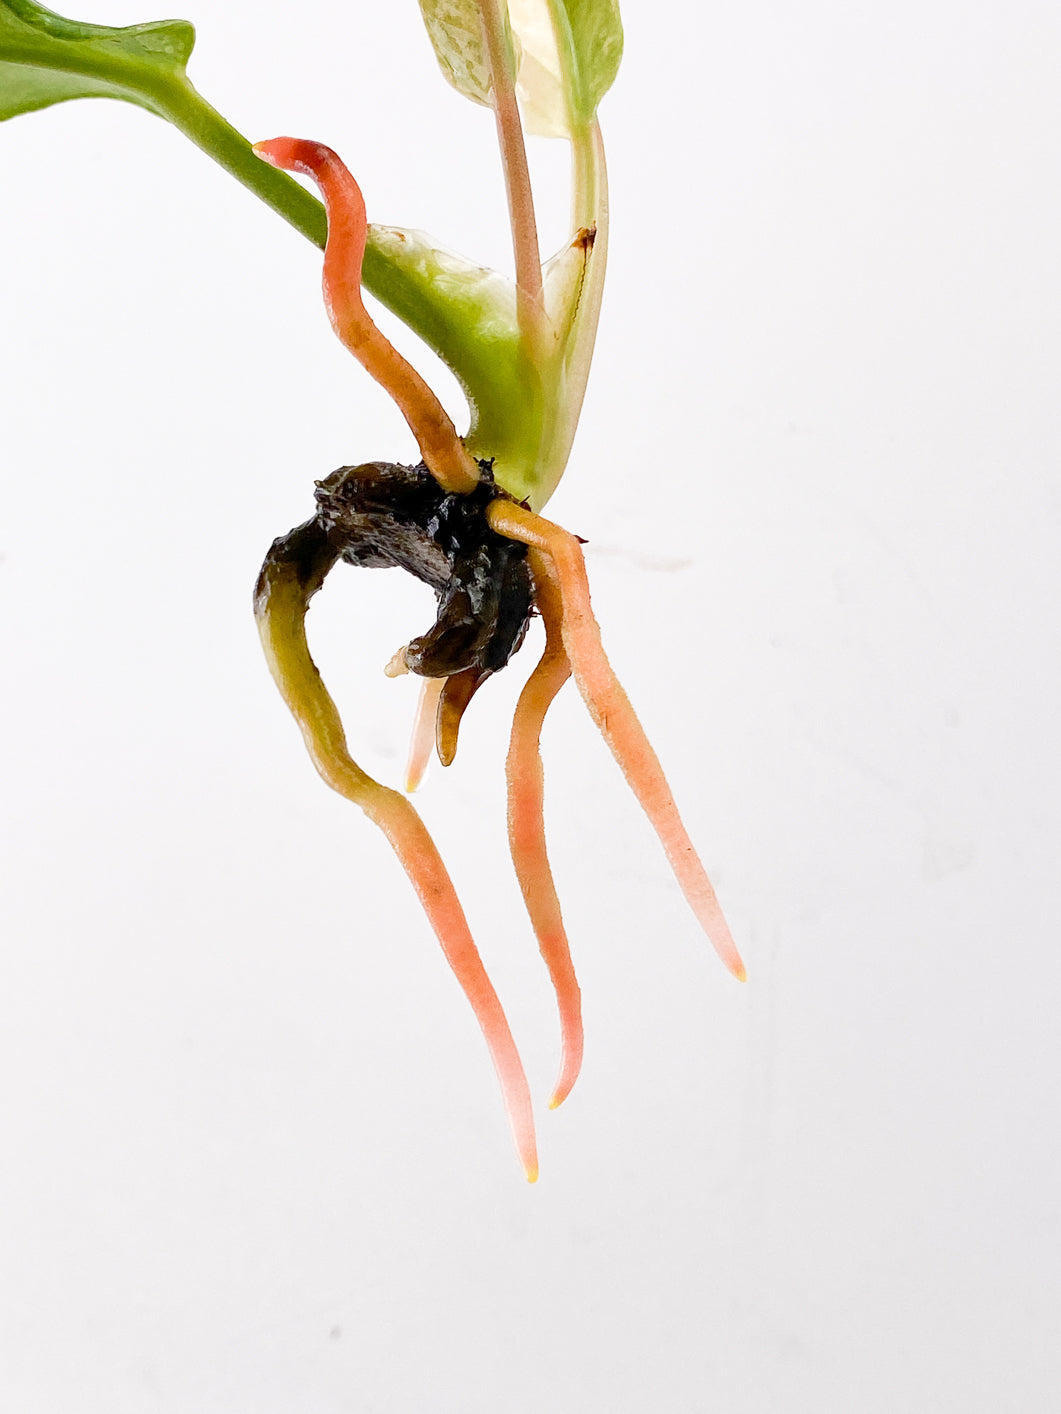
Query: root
{"points": [[443, 451], [556, 556], [423, 734], [293, 572], [526, 833]]}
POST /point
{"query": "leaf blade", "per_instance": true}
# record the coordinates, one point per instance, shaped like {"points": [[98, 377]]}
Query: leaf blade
{"points": [[46, 59], [571, 51], [456, 33], [590, 37]]}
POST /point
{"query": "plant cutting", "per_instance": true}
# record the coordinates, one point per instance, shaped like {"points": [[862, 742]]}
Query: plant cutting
{"points": [[467, 518]]}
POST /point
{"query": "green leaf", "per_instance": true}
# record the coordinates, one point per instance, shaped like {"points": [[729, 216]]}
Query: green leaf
{"points": [[570, 53], [456, 34], [46, 59], [589, 35]]}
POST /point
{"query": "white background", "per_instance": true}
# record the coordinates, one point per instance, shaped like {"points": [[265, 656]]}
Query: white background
{"points": [[253, 1156]]}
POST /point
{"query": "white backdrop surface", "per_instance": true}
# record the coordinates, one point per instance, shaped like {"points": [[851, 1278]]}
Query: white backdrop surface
{"points": [[254, 1161]]}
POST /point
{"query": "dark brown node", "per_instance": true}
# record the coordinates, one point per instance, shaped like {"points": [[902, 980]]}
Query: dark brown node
{"points": [[380, 515]]}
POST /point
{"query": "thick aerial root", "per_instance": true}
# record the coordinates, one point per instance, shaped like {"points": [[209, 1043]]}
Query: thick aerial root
{"points": [[526, 833], [292, 573], [556, 556], [442, 450]]}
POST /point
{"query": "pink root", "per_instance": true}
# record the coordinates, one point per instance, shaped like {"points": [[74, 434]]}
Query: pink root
{"points": [[420, 859], [557, 556], [284, 590], [526, 834]]}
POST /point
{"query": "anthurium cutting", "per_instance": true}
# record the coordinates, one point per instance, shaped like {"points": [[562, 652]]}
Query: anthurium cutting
{"points": [[466, 520]]}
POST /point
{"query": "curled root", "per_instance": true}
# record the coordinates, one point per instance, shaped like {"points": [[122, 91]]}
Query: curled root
{"points": [[443, 451], [293, 572]]}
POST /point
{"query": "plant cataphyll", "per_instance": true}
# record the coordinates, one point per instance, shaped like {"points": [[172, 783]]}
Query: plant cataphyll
{"points": [[467, 519]]}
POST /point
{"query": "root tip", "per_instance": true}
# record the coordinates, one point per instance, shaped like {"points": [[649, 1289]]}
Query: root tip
{"points": [[560, 1094]]}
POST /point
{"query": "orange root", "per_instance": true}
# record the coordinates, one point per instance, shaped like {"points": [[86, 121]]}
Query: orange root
{"points": [[420, 859], [443, 451], [288, 580], [526, 834], [556, 555]]}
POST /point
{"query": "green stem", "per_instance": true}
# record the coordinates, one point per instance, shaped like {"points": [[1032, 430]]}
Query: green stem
{"points": [[589, 211], [180, 103], [589, 181], [187, 110]]}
